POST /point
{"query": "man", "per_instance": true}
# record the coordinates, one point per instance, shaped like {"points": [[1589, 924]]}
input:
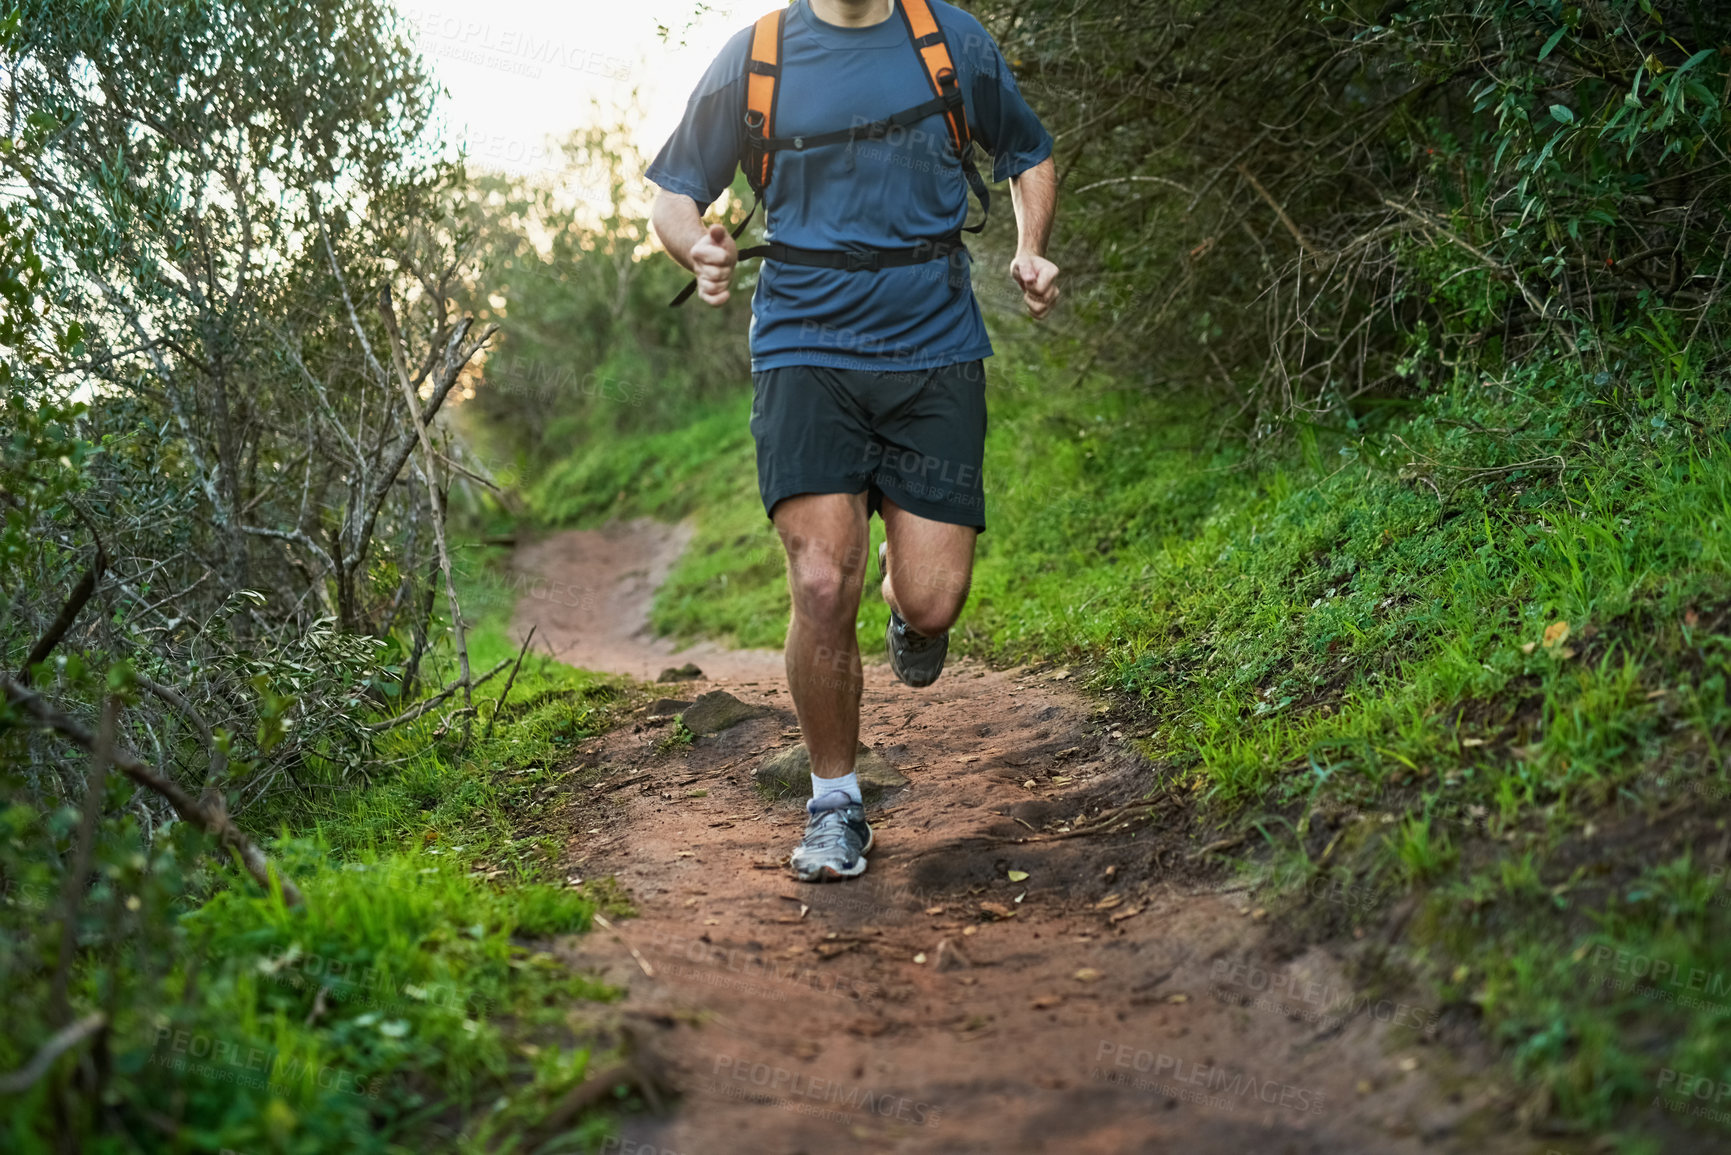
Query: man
{"points": [[867, 345]]}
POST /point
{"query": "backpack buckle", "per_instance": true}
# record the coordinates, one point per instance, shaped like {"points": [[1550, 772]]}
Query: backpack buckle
{"points": [[860, 261]]}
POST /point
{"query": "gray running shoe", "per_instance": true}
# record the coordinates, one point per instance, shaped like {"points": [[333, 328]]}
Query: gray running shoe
{"points": [[916, 659], [837, 839]]}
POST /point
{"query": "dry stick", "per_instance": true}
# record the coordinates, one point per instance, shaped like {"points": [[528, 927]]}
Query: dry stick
{"points": [[426, 704], [1268, 198], [1489, 262], [488, 733], [68, 613], [227, 834], [430, 461], [58, 1044]]}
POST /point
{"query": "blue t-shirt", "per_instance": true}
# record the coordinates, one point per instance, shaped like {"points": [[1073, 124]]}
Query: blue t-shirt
{"points": [[888, 193]]}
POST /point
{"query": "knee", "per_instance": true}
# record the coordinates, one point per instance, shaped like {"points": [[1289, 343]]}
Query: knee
{"points": [[930, 597], [932, 618], [821, 592]]}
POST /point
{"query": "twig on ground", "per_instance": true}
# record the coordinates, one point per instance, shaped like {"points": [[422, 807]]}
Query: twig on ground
{"points": [[426, 704], [488, 733]]}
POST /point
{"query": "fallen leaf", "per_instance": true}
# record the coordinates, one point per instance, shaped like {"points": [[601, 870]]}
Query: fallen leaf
{"points": [[1029, 784], [921, 957], [1046, 1002], [1556, 634], [1691, 618], [1529, 647], [1086, 975], [969, 758], [712, 922], [934, 910], [1258, 914], [1132, 912], [1110, 901], [1017, 876], [970, 929], [1408, 1064], [1181, 998], [1021, 896], [1472, 742], [997, 910]]}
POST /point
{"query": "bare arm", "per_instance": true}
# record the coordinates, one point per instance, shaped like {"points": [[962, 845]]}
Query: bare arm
{"points": [[1034, 195], [707, 250]]}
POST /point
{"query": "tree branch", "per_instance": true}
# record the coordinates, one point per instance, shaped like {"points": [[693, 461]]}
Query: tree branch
{"points": [[68, 614], [219, 825]]}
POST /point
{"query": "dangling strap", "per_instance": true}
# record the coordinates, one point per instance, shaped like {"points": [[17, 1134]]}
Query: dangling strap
{"points": [[691, 286]]}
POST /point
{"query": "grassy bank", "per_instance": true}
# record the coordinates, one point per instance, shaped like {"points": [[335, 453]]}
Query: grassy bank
{"points": [[409, 1004], [1468, 650]]}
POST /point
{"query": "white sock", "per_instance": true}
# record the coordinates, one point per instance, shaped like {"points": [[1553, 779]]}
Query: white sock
{"points": [[848, 784]]}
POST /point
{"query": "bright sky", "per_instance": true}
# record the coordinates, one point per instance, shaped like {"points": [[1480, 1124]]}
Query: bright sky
{"points": [[518, 71]]}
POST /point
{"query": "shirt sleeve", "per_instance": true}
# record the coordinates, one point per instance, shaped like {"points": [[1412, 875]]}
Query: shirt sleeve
{"points": [[1003, 123], [700, 158]]}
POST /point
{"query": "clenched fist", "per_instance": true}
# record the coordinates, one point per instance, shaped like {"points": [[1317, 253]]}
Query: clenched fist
{"points": [[1038, 279], [713, 259]]}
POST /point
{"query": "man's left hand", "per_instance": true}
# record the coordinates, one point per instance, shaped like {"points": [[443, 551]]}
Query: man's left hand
{"points": [[1038, 279]]}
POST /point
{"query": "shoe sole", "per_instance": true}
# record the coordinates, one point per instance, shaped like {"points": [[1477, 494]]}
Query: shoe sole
{"points": [[831, 874], [904, 679]]}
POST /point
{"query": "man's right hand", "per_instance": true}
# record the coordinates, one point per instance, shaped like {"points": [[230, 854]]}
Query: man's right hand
{"points": [[713, 259]]}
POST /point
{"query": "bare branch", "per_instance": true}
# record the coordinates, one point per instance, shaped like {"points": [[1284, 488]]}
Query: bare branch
{"points": [[58, 1044]]}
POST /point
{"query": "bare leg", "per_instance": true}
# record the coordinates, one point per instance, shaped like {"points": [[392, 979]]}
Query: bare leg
{"points": [[931, 565], [825, 537]]}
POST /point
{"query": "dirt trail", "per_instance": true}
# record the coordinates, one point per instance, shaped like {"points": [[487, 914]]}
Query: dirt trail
{"points": [[1123, 997]]}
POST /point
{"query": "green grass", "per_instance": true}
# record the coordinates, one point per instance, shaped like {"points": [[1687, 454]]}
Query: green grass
{"points": [[410, 1003], [1364, 620]]}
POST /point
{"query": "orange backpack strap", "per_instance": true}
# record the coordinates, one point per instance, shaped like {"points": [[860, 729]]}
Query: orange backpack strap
{"points": [[762, 76], [934, 53], [762, 72]]}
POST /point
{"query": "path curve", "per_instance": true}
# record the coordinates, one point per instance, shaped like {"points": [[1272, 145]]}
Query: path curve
{"points": [[1121, 997]]}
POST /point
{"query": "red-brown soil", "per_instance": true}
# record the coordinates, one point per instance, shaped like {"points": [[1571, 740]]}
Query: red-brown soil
{"points": [[1125, 996]]}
